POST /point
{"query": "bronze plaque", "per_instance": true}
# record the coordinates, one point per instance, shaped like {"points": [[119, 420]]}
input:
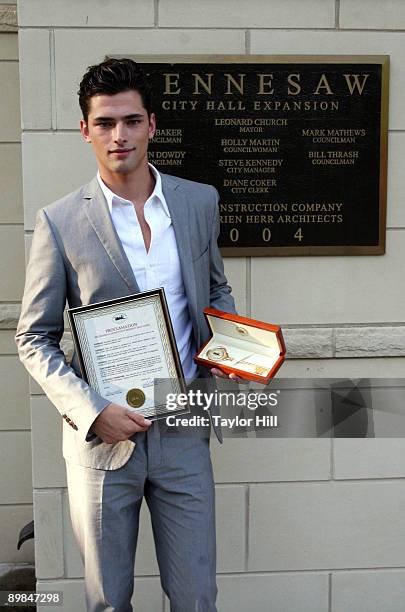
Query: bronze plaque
{"points": [[295, 145]]}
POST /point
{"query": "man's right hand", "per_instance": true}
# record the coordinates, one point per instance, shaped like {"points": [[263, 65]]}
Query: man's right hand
{"points": [[115, 424]]}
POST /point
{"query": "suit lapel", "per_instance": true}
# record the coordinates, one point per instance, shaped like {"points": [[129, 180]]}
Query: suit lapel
{"points": [[179, 212], [99, 216]]}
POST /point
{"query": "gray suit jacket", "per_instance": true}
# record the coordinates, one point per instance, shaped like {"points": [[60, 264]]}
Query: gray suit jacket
{"points": [[76, 256]]}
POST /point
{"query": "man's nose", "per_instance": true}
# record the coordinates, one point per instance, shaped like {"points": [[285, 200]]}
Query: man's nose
{"points": [[119, 133]]}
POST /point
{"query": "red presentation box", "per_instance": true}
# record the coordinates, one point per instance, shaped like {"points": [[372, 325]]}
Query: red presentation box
{"points": [[253, 350]]}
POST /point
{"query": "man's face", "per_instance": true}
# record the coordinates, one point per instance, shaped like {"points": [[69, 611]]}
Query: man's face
{"points": [[119, 130]]}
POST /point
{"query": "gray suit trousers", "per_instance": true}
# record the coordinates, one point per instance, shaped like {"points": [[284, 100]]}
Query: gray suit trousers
{"points": [[174, 474]]}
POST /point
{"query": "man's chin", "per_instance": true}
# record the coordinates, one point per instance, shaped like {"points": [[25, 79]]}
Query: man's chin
{"points": [[122, 168]]}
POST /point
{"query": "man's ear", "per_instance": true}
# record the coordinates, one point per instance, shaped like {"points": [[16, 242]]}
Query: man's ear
{"points": [[152, 125], [84, 130]]}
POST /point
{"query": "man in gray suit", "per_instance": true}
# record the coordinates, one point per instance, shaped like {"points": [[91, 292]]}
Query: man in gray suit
{"points": [[130, 229]]}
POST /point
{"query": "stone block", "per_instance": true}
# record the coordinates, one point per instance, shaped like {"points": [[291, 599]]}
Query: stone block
{"points": [[309, 343], [35, 73], [269, 460], [12, 520], [385, 400], [9, 315], [279, 592], [331, 290], [8, 18], [378, 458], [11, 181], [396, 180], [15, 395], [15, 475], [74, 52], [235, 270], [368, 591], [369, 341], [45, 159], [72, 593], [256, 14], [372, 15], [13, 264], [7, 344], [10, 128], [8, 45], [230, 527], [344, 368], [48, 522], [343, 43], [331, 525], [46, 426], [86, 14]]}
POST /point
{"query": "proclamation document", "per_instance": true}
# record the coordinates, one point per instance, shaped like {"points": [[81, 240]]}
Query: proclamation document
{"points": [[127, 352]]}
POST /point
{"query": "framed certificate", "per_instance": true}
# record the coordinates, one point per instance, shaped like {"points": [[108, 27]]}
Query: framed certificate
{"points": [[127, 352]]}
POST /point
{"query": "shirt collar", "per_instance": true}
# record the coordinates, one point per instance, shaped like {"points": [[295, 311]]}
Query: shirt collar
{"points": [[157, 192]]}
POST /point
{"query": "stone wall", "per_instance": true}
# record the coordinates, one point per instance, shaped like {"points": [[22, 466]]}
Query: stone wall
{"points": [[15, 437]]}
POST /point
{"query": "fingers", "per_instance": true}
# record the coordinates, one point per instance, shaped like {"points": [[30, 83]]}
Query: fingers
{"points": [[240, 381], [139, 419], [216, 372], [232, 376], [116, 424], [126, 431]]}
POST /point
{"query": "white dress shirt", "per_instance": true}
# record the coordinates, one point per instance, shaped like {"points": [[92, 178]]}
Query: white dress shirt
{"points": [[160, 266]]}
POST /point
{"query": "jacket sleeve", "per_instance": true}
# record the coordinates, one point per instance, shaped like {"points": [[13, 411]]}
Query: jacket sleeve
{"points": [[220, 291], [40, 330]]}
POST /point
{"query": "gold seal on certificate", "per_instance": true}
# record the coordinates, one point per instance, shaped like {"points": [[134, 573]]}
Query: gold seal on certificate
{"points": [[135, 398], [127, 352]]}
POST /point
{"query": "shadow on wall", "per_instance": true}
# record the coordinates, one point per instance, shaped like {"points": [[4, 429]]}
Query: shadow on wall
{"points": [[352, 415]]}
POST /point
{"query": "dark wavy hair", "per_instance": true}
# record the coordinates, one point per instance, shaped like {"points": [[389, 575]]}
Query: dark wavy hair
{"points": [[113, 76]]}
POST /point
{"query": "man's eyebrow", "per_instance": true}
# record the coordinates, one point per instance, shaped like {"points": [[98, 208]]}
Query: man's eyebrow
{"points": [[132, 116]]}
